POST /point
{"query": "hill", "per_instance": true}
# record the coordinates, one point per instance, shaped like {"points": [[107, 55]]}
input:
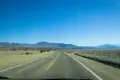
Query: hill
{"points": [[56, 45]]}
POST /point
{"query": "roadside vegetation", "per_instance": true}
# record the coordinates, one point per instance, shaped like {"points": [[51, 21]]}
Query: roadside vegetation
{"points": [[14, 56], [109, 57]]}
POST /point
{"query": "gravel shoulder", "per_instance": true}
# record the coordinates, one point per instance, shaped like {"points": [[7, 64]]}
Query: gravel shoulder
{"points": [[106, 72]]}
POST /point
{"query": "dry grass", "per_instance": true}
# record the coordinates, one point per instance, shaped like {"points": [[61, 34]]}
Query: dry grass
{"points": [[11, 58], [111, 57]]}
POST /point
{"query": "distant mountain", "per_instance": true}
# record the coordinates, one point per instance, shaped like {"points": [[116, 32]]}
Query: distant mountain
{"points": [[38, 45], [56, 45], [117, 45], [108, 46]]}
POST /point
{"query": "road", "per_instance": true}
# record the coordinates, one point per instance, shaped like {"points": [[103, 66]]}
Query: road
{"points": [[56, 66]]}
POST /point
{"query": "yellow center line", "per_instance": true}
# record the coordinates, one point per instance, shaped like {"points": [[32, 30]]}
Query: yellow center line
{"points": [[51, 64]]}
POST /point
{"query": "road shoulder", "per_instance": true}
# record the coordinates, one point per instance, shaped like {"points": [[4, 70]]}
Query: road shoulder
{"points": [[24, 62], [105, 71]]}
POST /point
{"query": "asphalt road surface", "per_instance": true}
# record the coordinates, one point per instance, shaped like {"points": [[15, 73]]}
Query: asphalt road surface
{"points": [[57, 66]]}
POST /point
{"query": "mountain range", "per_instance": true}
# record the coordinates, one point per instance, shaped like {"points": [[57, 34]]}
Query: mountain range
{"points": [[57, 45]]}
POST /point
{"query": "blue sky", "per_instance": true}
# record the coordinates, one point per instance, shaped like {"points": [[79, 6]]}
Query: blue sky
{"points": [[80, 22]]}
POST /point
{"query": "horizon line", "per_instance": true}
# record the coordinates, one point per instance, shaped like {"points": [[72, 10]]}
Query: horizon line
{"points": [[57, 42]]}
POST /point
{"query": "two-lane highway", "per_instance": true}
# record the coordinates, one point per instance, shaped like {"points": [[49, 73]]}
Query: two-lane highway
{"points": [[57, 66]]}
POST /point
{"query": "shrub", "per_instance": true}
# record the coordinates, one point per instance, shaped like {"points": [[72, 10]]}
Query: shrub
{"points": [[27, 53]]}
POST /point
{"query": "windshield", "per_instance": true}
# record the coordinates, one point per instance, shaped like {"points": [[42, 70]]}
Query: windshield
{"points": [[60, 39]]}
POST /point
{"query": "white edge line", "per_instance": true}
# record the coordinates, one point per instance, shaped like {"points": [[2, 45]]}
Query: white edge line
{"points": [[22, 64], [86, 68]]}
